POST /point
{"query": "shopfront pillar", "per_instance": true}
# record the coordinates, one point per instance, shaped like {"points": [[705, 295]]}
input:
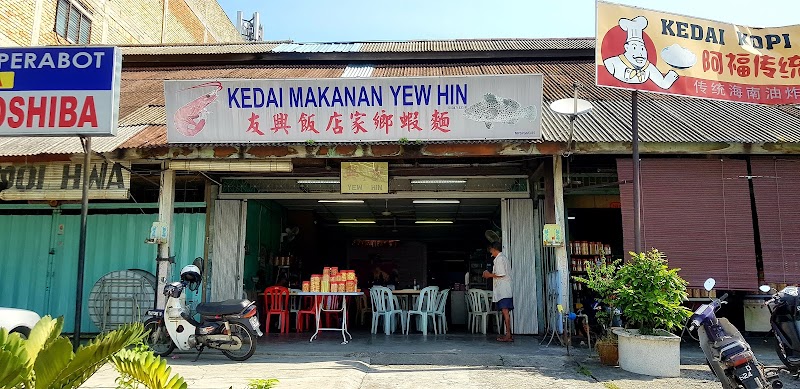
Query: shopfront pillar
{"points": [[562, 264], [166, 211]]}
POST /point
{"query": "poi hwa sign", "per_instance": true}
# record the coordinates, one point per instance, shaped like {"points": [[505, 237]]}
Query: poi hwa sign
{"points": [[674, 54]]}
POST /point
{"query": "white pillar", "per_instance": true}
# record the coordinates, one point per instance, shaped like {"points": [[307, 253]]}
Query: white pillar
{"points": [[37, 23], [166, 209], [562, 263]]}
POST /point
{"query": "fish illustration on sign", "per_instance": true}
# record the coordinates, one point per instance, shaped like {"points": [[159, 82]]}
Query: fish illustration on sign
{"points": [[495, 109], [190, 119]]}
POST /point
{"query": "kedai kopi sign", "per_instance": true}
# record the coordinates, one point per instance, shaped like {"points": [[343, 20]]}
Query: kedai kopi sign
{"points": [[680, 55]]}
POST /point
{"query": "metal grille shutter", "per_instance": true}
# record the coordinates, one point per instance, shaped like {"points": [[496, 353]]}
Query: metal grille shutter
{"points": [[698, 213], [776, 184]]}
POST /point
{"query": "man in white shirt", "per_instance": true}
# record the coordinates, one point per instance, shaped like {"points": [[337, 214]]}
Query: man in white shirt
{"points": [[501, 287]]}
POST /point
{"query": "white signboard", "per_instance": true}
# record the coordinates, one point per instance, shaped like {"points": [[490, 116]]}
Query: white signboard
{"points": [[62, 181], [59, 91], [354, 109]]}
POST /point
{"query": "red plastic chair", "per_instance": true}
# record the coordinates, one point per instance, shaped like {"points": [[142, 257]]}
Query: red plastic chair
{"points": [[303, 315], [276, 302], [331, 302]]}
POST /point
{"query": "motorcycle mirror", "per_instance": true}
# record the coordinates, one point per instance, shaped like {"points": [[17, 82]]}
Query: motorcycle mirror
{"points": [[709, 284], [764, 288]]}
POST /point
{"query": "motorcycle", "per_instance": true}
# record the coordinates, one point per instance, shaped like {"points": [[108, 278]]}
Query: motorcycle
{"points": [[727, 353], [784, 309], [230, 326]]}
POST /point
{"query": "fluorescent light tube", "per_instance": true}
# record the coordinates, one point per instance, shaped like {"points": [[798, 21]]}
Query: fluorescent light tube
{"points": [[356, 221], [342, 201], [437, 201], [438, 181], [571, 218], [434, 222], [318, 181]]}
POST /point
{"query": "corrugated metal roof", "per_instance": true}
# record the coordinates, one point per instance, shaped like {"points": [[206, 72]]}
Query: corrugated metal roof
{"points": [[457, 45], [358, 70], [151, 136], [22, 146], [317, 48], [214, 48], [479, 45]]}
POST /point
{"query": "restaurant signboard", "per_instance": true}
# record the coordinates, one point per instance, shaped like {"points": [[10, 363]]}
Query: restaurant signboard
{"points": [[660, 52]]}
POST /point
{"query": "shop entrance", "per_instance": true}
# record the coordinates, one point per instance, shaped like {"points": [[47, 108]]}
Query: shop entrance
{"points": [[432, 232]]}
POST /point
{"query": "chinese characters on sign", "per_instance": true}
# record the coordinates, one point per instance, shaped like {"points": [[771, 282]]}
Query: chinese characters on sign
{"points": [[355, 110], [660, 52]]}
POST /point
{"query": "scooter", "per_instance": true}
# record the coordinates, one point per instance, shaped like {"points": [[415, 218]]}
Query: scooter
{"points": [[784, 309], [230, 326], [727, 353]]}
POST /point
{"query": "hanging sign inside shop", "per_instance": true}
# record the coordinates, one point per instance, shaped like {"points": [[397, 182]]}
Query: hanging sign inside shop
{"points": [[62, 181], [59, 91], [354, 109], [552, 235], [674, 54], [365, 177]]}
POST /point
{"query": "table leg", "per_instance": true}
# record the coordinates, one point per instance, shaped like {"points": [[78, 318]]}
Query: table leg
{"points": [[344, 315], [317, 314]]}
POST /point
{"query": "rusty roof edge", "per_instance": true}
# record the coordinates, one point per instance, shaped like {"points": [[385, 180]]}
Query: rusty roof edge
{"points": [[351, 57]]}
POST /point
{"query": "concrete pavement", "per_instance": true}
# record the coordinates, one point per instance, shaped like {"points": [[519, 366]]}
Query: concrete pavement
{"points": [[396, 361]]}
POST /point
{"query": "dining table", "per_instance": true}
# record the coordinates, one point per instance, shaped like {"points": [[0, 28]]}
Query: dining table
{"points": [[403, 297], [319, 309]]}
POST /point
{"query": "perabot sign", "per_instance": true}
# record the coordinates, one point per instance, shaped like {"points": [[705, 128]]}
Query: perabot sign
{"points": [[59, 91], [354, 109]]}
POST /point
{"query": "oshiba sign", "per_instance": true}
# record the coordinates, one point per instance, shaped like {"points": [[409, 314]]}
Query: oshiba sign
{"points": [[354, 109], [675, 54], [59, 91]]}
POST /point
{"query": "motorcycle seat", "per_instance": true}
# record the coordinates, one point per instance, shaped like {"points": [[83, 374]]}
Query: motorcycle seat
{"points": [[227, 307]]}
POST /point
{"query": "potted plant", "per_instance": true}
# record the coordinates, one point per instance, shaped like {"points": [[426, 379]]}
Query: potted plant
{"points": [[650, 295], [601, 278]]}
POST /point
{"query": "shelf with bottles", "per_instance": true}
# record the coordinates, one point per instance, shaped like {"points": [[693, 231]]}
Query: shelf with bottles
{"points": [[583, 248]]}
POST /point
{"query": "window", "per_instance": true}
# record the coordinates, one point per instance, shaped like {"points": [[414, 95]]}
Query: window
{"points": [[72, 23]]}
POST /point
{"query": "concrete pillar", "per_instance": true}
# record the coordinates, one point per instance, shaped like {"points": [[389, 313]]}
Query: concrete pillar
{"points": [[166, 209], [562, 263]]}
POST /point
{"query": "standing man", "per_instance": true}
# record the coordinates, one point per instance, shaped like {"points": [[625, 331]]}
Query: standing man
{"points": [[501, 287]]}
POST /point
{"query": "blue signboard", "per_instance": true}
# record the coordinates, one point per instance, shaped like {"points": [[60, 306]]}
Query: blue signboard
{"points": [[59, 91]]}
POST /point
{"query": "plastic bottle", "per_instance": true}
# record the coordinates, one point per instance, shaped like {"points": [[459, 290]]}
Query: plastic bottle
{"points": [[415, 284]]}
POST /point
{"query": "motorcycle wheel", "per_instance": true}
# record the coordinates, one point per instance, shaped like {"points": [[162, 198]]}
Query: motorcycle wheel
{"points": [[792, 363], [248, 343], [158, 338]]}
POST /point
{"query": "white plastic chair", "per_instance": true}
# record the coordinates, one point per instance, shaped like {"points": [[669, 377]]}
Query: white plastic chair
{"points": [[383, 306], [470, 312], [424, 309], [439, 314], [481, 311]]}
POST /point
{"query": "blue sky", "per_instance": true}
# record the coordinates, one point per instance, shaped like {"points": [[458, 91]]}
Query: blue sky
{"points": [[360, 20]]}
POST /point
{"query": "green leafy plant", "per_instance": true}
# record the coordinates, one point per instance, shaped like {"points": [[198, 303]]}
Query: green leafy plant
{"points": [[601, 277], [650, 294], [403, 141], [46, 359], [262, 383], [139, 367], [311, 142]]}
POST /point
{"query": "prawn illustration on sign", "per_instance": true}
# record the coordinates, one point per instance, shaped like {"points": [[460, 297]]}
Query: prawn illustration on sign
{"points": [[191, 118], [633, 65], [496, 109]]}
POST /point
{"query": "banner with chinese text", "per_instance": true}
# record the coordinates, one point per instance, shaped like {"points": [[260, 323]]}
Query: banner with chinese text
{"points": [[674, 54], [354, 109]]}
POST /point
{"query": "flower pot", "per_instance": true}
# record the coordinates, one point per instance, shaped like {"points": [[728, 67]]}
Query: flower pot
{"points": [[608, 352], [654, 355]]}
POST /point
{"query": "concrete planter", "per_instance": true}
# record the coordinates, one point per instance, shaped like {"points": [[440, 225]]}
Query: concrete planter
{"points": [[653, 355]]}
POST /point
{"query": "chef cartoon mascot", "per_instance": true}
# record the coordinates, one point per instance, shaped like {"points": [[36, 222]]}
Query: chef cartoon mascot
{"points": [[632, 66]]}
